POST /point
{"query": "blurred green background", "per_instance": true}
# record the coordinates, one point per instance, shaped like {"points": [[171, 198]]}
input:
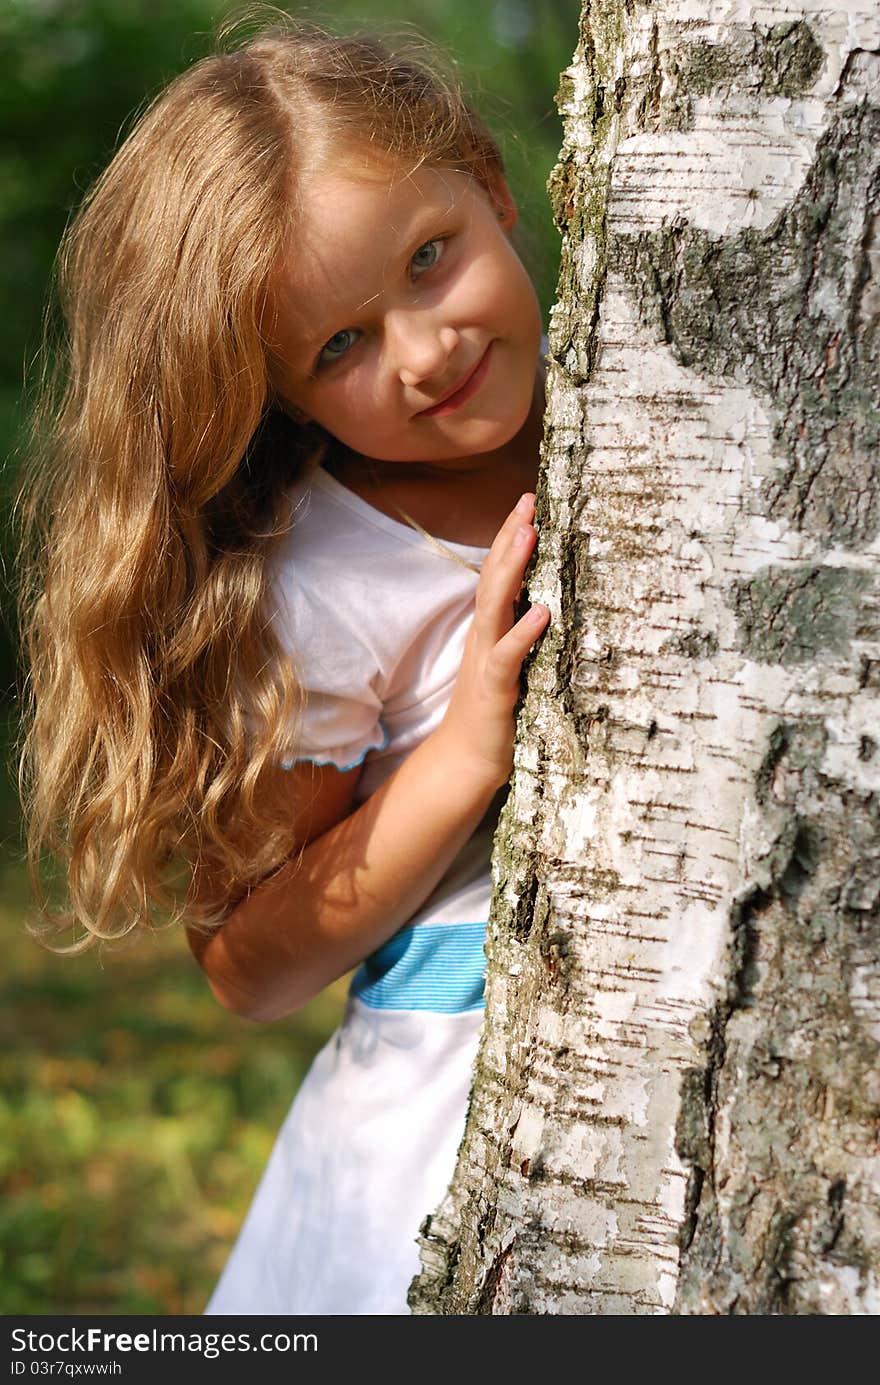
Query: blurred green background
{"points": [[135, 1114]]}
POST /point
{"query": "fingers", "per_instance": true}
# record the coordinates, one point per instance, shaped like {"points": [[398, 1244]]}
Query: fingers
{"points": [[521, 515], [503, 570], [505, 660], [480, 712]]}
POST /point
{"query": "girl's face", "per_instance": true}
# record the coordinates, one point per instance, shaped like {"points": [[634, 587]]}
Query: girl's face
{"points": [[401, 318]]}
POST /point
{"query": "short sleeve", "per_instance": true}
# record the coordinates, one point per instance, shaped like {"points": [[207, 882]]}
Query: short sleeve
{"points": [[319, 631]]}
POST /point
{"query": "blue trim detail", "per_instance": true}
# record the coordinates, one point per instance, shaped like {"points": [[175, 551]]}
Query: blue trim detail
{"points": [[426, 966], [308, 760]]}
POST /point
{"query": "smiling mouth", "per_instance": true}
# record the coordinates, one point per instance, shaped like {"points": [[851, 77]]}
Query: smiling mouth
{"points": [[462, 392]]}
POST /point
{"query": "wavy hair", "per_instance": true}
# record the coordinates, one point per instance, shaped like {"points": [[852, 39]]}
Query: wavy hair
{"points": [[159, 699]]}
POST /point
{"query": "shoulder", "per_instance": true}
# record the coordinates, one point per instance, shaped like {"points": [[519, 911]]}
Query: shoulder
{"points": [[322, 581], [317, 559], [330, 537]]}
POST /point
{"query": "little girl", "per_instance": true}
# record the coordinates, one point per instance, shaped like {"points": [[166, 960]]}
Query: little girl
{"points": [[285, 523]]}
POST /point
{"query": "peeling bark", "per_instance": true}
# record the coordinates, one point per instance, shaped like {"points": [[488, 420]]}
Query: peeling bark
{"points": [[676, 1105]]}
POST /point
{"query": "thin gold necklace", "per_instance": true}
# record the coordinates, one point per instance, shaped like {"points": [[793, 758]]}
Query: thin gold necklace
{"points": [[435, 543]]}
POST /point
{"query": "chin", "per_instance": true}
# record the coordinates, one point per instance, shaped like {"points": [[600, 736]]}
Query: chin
{"points": [[501, 433], [477, 441], [488, 435]]}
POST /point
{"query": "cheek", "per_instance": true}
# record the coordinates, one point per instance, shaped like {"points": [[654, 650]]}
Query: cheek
{"points": [[522, 293], [500, 283], [351, 399]]}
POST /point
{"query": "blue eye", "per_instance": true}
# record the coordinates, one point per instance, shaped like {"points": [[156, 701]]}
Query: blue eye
{"points": [[426, 256], [338, 344]]}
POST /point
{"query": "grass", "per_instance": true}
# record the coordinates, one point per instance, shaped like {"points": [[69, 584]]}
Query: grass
{"points": [[135, 1117]]}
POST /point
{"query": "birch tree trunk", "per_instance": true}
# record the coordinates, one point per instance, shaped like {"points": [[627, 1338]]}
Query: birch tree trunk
{"points": [[677, 1098]]}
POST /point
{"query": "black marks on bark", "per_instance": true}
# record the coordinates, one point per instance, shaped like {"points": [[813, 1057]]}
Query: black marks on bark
{"points": [[859, 74], [693, 1192], [783, 60], [540, 912], [514, 1285], [790, 60], [556, 955], [693, 1143], [580, 205], [651, 104], [695, 643], [869, 673], [784, 309], [790, 614], [779, 1252], [793, 747], [493, 1281], [570, 574], [829, 1234], [579, 199], [791, 1057], [744, 931], [806, 853], [519, 918], [695, 1127]]}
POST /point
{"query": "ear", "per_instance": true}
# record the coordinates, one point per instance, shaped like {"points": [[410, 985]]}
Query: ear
{"points": [[502, 200]]}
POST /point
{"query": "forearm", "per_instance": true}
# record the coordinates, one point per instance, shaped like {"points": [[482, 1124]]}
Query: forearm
{"points": [[351, 888]]}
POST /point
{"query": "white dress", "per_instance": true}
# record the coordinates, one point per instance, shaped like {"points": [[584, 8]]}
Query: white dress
{"points": [[374, 619]]}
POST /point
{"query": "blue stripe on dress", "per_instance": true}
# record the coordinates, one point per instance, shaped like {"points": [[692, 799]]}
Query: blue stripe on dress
{"points": [[428, 966]]}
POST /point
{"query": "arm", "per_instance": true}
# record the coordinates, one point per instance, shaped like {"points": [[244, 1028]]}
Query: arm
{"points": [[362, 874]]}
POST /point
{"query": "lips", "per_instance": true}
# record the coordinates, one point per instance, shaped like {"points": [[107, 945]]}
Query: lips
{"points": [[462, 390]]}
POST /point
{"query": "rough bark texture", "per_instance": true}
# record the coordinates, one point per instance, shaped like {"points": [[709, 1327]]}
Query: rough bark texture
{"points": [[677, 1097]]}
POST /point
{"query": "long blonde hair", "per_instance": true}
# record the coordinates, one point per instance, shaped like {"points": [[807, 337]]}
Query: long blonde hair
{"points": [[159, 699]]}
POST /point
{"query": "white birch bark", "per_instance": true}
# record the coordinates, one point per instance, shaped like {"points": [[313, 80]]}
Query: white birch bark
{"points": [[677, 1095]]}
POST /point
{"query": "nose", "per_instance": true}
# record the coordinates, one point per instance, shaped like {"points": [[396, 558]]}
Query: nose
{"points": [[421, 347]]}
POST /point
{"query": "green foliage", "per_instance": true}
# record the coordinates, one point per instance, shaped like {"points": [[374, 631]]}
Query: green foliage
{"points": [[135, 1119], [135, 1115]]}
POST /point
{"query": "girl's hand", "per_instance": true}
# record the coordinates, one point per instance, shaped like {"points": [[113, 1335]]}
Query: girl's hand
{"points": [[479, 721]]}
